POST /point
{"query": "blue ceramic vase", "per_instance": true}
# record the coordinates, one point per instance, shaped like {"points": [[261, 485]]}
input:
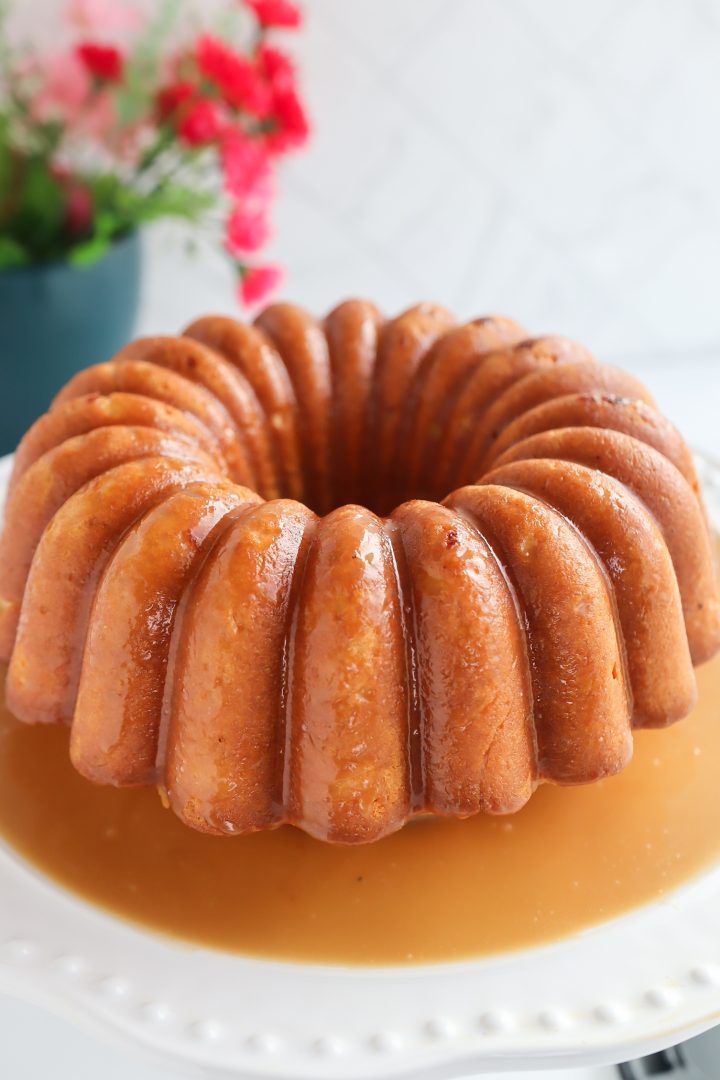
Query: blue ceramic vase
{"points": [[56, 319]]}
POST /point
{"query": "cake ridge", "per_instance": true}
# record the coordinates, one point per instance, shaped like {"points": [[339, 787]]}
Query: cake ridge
{"points": [[148, 379], [308, 364], [150, 564], [416, 726], [265, 372], [485, 532], [282, 785], [197, 363], [600, 409], [638, 465], [652, 656]]}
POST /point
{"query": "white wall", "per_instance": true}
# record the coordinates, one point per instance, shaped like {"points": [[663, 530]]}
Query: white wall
{"points": [[555, 159]]}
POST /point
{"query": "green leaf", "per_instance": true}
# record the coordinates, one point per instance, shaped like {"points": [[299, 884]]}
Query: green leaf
{"points": [[89, 252], [163, 142], [12, 253], [39, 209], [142, 70], [172, 200], [108, 224], [6, 160]]}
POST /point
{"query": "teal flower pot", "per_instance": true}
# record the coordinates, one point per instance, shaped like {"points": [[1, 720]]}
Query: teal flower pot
{"points": [[56, 319]]}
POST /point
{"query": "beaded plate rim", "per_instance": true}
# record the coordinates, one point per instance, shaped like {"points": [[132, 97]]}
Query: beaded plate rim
{"points": [[621, 989]]}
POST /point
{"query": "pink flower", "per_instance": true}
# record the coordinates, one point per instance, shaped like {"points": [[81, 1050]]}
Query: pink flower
{"points": [[203, 122], [69, 96], [66, 89], [276, 66], [239, 81], [247, 168], [247, 230], [276, 13], [257, 282], [99, 118], [102, 16], [293, 128]]}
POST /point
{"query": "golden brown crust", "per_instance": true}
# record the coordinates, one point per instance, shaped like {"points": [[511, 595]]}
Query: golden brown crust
{"points": [[46, 485], [249, 350], [203, 366], [440, 379], [222, 757], [599, 409], [670, 499], [541, 386], [402, 345], [299, 339], [44, 670], [346, 762], [77, 416], [581, 703], [474, 693], [352, 331], [153, 381], [494, 374], [116, 720], [347, 672], [637, 563]]}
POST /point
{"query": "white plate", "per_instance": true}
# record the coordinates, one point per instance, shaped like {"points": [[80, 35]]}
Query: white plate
{"points": [[625, 988]]}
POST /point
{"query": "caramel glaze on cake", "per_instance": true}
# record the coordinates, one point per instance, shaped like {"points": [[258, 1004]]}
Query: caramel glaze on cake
{"points": [[211, 569]]}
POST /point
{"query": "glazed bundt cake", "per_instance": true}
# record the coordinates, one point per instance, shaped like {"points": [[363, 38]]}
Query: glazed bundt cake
{"points": [[254, 565]]}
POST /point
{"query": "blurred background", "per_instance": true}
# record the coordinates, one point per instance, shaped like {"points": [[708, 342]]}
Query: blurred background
{"points": [[556, 161]]}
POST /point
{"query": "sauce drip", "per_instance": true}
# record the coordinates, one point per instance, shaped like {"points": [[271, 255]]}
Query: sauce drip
{"points": [[436, 891]]}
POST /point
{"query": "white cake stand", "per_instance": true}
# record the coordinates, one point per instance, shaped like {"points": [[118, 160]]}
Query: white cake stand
{"points": [[623, 989]]}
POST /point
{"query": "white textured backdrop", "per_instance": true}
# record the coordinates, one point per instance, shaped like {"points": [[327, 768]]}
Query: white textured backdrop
{"points": [[554, 159]]}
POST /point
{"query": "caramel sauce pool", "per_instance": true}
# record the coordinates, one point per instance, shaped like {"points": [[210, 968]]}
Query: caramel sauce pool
{"points": [[438, 890]]}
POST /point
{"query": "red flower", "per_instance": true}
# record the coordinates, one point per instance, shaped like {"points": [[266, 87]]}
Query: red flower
{"points": [[201, 123], [104, 62], [79, 209], [240, 82], [171, 99], [276, 66], [257, 282], [292, 128], [276, 12], [247, 168], [247, 231]]}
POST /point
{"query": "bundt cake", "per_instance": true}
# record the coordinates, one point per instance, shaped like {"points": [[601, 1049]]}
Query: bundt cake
{"points": [[254, 565]]}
